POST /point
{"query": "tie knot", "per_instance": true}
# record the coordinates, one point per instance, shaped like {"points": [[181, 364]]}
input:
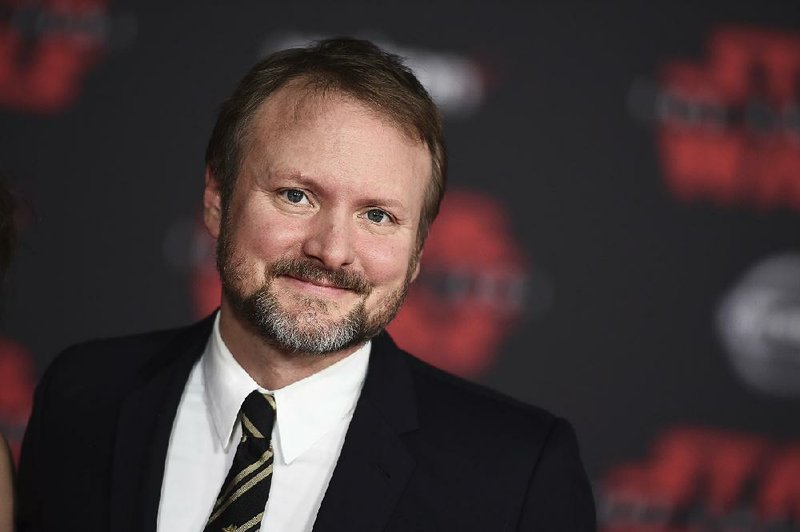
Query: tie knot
{"points": [[258, 415]]}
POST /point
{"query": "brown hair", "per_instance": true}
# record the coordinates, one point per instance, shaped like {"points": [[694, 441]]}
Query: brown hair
{"points": [[355, 67]]}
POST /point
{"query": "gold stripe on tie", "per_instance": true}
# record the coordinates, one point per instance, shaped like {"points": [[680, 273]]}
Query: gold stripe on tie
{"points": [[251, 428], [241, 491], [251, 523], [271, 400], [242, 474]]}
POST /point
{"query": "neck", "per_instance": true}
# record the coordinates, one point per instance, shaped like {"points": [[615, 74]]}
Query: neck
{"points": [[270, 367]]}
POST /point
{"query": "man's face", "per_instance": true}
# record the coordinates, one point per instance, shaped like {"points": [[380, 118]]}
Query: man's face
{"points": [[318, 244]]}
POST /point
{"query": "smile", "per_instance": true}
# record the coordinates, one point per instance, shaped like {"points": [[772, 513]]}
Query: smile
{"points": [[315, 286]]}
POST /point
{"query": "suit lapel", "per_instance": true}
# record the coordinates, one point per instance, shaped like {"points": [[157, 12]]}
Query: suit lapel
{"points": [[374, 465], [143, 430]]}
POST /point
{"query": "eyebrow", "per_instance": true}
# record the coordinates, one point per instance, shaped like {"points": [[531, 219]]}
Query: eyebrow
{"points": [[290, 174], [389, 203]]}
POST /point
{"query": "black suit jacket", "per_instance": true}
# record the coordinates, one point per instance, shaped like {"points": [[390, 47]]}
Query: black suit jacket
{"points": [[425, 451]]}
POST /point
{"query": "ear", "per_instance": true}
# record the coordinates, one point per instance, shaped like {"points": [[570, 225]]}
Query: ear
{"points": [[212, 204], [416, 266]]}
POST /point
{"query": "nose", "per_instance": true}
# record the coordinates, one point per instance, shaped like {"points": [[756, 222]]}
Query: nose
{"points": [[330, 240]]}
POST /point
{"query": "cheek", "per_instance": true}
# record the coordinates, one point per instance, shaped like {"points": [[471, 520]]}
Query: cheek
{"points": [[386, 262], [263, 235]]}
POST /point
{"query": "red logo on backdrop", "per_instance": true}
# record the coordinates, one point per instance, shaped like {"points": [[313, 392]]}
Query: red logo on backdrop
{"points": [[701, 479], [47, 48], [470, 290], [17, 382], [469, 293], [729, 126]]}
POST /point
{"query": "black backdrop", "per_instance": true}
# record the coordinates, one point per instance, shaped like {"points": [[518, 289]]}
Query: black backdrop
{"points": [[559, 126]]}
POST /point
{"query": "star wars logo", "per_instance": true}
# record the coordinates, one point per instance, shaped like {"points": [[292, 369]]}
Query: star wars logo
{"points": [[728, 127], [48, 47], [701, 480], [473, 285]]}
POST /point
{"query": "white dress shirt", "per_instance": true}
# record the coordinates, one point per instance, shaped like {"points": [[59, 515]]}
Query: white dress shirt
{"points": [[313, 415]]}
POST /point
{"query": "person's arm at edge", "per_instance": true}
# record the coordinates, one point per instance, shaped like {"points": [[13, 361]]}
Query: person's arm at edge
{"points": [[7, 499], [29, 511], [559, 493]]}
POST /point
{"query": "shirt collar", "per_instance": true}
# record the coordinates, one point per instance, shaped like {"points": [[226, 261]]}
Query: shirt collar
{"points": [[306, 410]]}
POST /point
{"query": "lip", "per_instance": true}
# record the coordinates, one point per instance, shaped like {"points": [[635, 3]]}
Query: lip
{"points": [[315, 286]]}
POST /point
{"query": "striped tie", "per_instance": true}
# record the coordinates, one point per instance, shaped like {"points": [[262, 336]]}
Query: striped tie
{"points": [[241, 501]]}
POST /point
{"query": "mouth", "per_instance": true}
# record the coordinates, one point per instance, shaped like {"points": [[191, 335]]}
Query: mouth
{"points": [[316, 285], [308, 276]]}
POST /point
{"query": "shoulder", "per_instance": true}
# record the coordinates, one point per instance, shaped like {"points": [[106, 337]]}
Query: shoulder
{"points": [[117, 352], [471, 410], [450, 391], [527, 459], [115, 364]]}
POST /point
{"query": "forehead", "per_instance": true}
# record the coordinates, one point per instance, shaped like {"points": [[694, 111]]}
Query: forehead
{"points": [[301, 102], [333, 132]]}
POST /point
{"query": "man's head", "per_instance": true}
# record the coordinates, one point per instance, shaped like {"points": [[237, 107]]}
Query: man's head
{"points": [[324, 172], [356, 68]]}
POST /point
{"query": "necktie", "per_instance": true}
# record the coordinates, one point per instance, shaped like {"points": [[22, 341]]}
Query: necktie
{"points": [[240, 503]]}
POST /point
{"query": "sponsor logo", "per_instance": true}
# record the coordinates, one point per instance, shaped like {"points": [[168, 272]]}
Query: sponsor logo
{"points": [[759, 326], [728, 126]]}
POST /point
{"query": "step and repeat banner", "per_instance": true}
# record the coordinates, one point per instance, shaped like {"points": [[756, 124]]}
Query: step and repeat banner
{"points": [[620, 242]]}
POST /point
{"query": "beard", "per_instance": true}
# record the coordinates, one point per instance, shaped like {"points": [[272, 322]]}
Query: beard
{"points": [[310, 329]]}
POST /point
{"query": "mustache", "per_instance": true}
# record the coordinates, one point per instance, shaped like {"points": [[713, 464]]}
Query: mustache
{"points": [[307, 270]]}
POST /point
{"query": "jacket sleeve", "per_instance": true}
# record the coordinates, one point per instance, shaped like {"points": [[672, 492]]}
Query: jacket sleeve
{"points": [[559, 496], [29, 510]]}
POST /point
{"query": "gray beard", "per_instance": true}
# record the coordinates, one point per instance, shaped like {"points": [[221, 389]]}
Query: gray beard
{"points": [[309, 330], [303, 331]]}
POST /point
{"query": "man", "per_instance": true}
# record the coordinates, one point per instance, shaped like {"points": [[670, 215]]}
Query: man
{"points": [[289, 409]]}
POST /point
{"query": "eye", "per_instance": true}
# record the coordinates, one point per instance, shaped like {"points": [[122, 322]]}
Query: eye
{"points": [[292, 195], [378, 216]]}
